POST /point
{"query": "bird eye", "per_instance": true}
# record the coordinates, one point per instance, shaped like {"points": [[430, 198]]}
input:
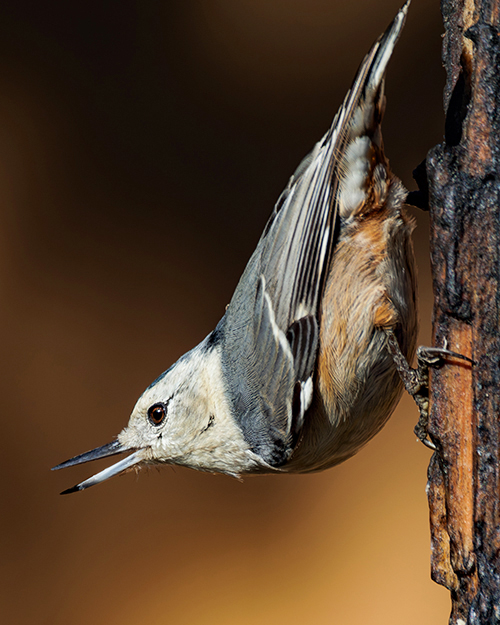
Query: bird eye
{"points": [[157, 413]]}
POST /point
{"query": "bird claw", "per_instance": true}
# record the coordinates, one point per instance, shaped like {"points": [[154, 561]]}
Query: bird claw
{"points": [[416, 381]]}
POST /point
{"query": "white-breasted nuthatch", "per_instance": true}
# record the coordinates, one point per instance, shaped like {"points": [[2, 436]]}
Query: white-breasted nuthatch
{"points": [[297, 375]]}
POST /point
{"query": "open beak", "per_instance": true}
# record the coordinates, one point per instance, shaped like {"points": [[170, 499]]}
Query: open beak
{"points": [[101, 452]]}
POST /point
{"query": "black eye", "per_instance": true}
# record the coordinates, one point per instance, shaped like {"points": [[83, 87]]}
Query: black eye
{"points": [[157, 413]]}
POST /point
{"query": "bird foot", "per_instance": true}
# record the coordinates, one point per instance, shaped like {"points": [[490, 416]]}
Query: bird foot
{"points": [[416, 381]]}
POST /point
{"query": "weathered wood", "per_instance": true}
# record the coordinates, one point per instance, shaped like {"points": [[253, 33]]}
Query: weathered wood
{"points": [[464, 199]]}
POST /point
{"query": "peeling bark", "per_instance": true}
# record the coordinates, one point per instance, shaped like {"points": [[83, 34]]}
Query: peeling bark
{"points": [[464, 200]]}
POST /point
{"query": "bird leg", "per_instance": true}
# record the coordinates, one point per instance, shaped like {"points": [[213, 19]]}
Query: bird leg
{"points": [[416, 381]]}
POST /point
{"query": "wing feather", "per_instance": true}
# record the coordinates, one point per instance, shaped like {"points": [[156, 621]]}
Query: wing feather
{"points": [[270, 330]]}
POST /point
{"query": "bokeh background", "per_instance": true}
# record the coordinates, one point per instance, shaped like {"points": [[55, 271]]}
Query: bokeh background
{"points": [[142, 147]]}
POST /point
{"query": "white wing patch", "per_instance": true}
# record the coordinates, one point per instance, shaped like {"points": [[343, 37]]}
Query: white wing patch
{"points": [[278, 334], [306, 395]]}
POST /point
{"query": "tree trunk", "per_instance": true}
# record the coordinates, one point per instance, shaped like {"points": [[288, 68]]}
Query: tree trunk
{"points": [[464, 198]]}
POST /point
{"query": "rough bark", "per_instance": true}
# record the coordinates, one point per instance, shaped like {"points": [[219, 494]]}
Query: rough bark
{"points": [[464, 199]]}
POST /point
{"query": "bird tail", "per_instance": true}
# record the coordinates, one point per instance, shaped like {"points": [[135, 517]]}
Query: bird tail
{"points": [[358, 122], [331, 182]]}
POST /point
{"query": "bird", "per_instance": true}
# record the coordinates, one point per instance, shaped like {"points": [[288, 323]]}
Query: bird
{"points": [[297, 375]]}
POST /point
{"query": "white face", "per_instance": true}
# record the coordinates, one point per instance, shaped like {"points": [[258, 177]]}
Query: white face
{"points": [[171, 414], [152, 424], [183, 418]]}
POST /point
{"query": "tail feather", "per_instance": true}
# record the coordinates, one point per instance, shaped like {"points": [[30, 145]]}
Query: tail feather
{"points": [[363, 110]]}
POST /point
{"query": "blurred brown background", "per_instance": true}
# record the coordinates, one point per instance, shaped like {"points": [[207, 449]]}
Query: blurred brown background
{"points": [[142, 147]]}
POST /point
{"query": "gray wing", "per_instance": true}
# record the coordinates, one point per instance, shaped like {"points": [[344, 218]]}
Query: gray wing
{"points": [[270, 330], [263, 367], [259, 370]]}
